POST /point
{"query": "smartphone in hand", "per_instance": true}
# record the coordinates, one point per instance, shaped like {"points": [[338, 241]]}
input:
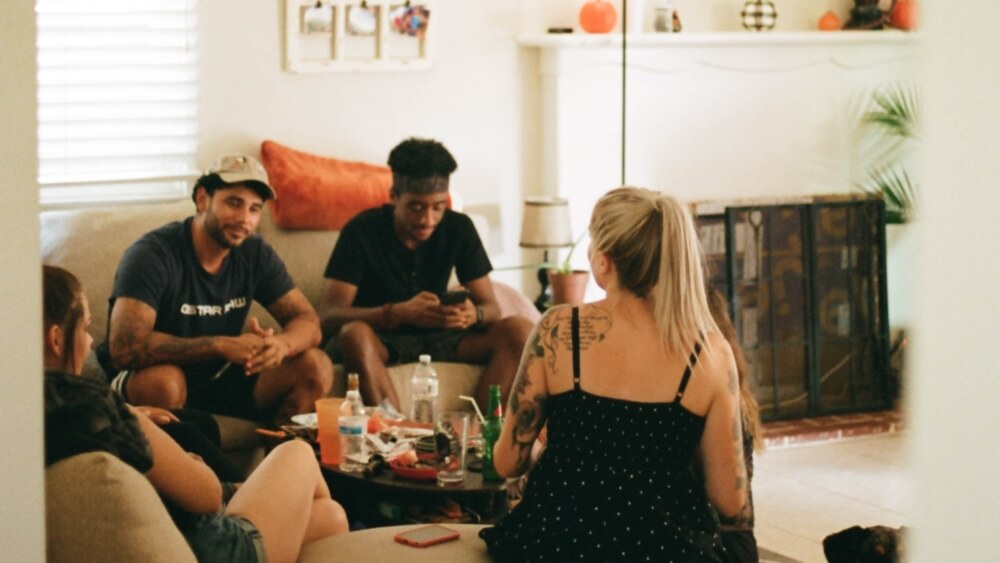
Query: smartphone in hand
{"points": [[427, 535], [454, 297]]}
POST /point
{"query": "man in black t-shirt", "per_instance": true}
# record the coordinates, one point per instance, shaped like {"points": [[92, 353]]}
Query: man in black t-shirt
{"points": [[180, 300], [386, 275]]}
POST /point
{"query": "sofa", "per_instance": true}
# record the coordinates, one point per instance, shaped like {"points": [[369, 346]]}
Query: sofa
{"points": [[90, 242]]}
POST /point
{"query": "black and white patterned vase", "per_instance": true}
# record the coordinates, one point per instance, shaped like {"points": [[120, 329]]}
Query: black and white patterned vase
{"points": [[759, 15]]}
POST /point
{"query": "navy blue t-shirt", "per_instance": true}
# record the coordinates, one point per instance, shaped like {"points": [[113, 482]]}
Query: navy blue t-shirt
{"points": [[369, 255], [162, 270]]}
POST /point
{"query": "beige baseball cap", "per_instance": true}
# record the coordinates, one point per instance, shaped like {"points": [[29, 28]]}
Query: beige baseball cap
{"points": [[241, 168]]}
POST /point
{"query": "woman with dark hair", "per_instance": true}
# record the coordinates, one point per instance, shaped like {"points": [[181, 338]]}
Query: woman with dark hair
{"points": [[284, 504], [633, 388], [66, 320], [737, 531]]}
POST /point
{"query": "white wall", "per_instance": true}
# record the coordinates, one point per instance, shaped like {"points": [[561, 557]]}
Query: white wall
{"points": [[956, 378], [22, 510]]}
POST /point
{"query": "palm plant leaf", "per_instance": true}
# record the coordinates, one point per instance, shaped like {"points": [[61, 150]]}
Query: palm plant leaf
{"points": [[896, 110], [894, 186], [893, 120]]}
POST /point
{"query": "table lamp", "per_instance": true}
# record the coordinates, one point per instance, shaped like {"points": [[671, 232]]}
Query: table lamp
{"points": [[545, 225]]}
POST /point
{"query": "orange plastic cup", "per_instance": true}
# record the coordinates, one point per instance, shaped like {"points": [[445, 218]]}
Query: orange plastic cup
{"points": [[327, 419]]}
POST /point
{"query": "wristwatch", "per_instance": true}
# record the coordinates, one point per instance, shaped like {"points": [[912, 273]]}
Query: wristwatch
{"points": [[480, 315]]}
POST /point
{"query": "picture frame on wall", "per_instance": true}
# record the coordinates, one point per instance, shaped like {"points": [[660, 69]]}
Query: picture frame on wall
{"points": [[357, 35]]}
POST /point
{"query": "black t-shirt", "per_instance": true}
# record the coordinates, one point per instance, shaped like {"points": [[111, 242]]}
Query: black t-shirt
{"points": [[162, 270], [369, 255]]}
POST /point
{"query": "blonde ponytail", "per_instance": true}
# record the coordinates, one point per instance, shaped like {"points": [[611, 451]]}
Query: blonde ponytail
{"points": [[651, 239]]}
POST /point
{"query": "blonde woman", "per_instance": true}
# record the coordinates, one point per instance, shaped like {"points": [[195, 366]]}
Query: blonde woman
{"points": [[633, 388]]}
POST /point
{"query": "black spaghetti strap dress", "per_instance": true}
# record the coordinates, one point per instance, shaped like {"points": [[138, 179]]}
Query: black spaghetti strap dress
{"points": [[614, 484]]}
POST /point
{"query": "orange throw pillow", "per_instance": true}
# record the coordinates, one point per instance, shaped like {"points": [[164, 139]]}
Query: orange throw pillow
{"points": [[320, 193]]}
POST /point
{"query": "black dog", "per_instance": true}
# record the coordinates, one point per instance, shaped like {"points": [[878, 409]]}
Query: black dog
{"points": [[877, 544]]}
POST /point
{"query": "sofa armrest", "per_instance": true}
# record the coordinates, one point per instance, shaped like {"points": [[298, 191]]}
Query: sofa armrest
{"points": [[98, 508]]}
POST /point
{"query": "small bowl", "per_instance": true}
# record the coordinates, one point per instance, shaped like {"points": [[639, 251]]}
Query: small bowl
{"points": [[413, 473]]}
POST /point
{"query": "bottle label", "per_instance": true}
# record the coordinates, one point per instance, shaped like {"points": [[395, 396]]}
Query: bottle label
{"points": [[352, 427]]}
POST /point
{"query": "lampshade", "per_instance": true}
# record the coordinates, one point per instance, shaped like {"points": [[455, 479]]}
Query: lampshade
{"points": [[546, 223]]}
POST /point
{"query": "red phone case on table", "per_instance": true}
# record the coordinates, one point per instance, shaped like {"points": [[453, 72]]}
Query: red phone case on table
{"points": [[443, 534]]}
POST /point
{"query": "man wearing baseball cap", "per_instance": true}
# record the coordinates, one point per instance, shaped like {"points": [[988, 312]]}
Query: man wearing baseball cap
{"points": [[180, 302]]}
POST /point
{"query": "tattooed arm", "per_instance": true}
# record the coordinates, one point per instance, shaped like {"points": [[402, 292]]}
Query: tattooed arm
{"points": [[526, 407], [722, 441], [135, 345]]}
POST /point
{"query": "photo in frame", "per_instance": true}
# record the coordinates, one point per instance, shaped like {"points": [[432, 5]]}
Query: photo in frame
{"points": [[317, 19], [362, 20], [410, 19]]}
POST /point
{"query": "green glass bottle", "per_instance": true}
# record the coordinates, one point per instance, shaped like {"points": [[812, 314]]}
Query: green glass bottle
{"points": [[491, 433]]}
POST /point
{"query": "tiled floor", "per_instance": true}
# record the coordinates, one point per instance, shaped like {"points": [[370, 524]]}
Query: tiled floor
{"points": [[806, 488]]}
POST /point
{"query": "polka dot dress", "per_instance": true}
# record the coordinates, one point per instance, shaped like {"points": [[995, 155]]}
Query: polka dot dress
{"points": [[614, 484]]}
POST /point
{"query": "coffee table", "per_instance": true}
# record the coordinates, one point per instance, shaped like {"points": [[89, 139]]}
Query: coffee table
{"points": [[386, 499]]}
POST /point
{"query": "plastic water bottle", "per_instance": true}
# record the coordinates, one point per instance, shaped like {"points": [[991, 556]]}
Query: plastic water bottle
{"points": [[491, 432], [423, 391], [353, 424]]}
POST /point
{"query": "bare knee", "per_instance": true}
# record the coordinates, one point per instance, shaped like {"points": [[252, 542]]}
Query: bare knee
{"points": [[161, 386], [357, 341], [515, 331], [315, 371], [299, 450]]}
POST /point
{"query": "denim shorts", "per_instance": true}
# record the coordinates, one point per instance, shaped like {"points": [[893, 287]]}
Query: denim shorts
{"points": [[218, 538]]}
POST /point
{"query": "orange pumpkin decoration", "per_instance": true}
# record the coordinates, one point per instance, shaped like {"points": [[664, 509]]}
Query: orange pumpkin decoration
{"points": [[905, 15], [829, 22], [598, 17]]}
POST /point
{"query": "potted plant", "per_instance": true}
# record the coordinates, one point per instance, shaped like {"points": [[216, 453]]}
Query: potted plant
{"points": [[894, 121], [568, 285]]}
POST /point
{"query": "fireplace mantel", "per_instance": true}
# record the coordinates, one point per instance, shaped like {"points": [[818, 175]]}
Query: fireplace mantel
{"points": [[719, 39]]}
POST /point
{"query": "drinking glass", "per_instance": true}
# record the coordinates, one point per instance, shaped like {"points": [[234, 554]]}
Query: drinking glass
{"points": [[451, 431]]}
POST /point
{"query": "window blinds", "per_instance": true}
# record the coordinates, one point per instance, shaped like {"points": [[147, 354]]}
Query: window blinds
{"points": [[117, 99]]}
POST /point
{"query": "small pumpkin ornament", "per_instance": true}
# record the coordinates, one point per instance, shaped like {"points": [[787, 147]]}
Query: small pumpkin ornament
{"points": [[829, 22], [905, 14], [597, 16]]}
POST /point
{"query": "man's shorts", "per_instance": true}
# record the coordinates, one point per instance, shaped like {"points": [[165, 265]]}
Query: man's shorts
{"points": [[215, 387], [406, 347]]}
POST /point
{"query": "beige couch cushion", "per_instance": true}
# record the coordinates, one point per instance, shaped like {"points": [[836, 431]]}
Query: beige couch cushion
{"points": [[99, 509], [378, 544]]}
